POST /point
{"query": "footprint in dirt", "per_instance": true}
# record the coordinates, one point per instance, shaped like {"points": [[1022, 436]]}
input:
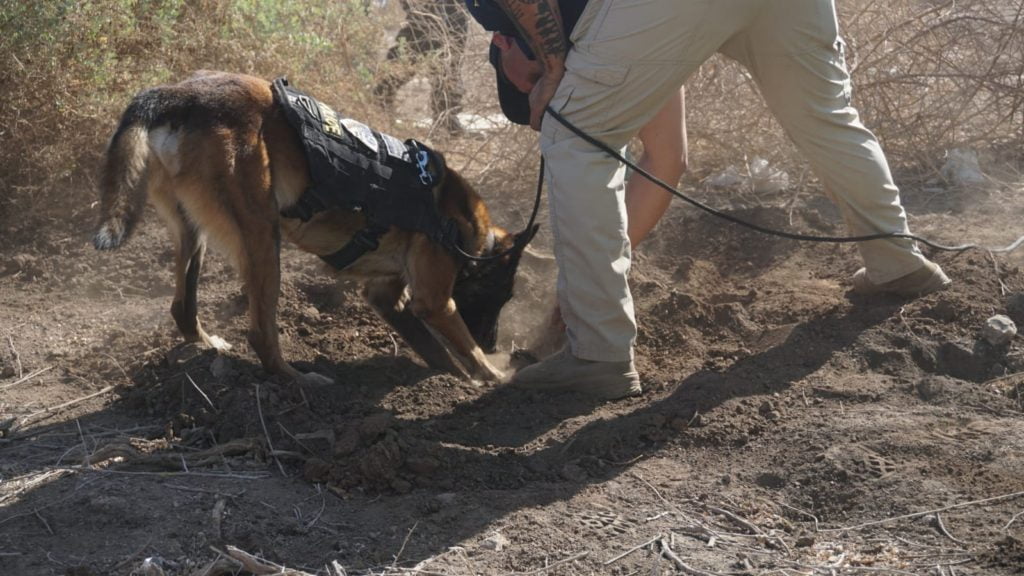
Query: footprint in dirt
{"points": [[858, 463], [605, 521]]}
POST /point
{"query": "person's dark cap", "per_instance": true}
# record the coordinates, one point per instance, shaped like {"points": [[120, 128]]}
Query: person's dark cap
{"points": [[490, 15], [515, 105]]}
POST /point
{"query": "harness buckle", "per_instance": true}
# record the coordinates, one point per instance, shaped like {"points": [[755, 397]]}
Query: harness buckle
{"points": [[423, 163], [367, 239]]}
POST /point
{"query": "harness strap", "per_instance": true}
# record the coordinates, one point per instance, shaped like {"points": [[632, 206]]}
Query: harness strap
{"points": [[352, 167], [366, 240]]}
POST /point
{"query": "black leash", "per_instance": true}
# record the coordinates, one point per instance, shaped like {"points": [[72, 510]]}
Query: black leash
{"points": [[533, 218], [790, 235]]}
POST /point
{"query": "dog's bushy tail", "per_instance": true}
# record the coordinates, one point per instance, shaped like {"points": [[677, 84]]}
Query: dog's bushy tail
{"points": [[123, 182]]}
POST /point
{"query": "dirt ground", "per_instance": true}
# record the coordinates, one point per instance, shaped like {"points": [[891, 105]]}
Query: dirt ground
{"points": [[787, 426]]}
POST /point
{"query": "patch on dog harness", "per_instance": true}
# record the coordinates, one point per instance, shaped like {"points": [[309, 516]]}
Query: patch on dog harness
{"points": [[356, 168]]}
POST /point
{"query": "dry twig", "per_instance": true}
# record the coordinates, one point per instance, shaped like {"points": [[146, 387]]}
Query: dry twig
{"points": [[16, 356], [26, 378], [926, 512], [632, 550], [201, 393], [685, 568], [942, 528], [53, 410], [1012, 520], [551, 567], [263, 423]]}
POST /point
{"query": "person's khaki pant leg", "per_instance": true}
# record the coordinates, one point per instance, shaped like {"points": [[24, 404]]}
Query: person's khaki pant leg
{"points": [[629, 57], [794, 51]]}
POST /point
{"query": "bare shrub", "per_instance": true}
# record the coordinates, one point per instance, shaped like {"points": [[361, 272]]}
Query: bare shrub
{"points": [[940, 74], [929, 75], [69, 68]]}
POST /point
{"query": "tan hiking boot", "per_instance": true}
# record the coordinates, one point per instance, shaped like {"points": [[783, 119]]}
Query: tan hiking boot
{"points": [[925, 280], [564, 372]]}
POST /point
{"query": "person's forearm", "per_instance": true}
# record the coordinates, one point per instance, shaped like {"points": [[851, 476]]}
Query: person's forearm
{"points": [[540, 23]]}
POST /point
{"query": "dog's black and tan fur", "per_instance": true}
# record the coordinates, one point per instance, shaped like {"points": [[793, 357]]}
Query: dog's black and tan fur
{"points": [[219, 161]]}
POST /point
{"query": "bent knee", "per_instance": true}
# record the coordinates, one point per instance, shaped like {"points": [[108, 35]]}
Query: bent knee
{"points": [[667, 166], [426, 309]]}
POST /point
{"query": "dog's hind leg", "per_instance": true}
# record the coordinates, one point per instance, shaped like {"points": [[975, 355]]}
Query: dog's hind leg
{"points": [[190, 248], [386, 297], [188, 266]]}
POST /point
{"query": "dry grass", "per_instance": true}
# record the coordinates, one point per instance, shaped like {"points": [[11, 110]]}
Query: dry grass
{"points": [[930, 75]]}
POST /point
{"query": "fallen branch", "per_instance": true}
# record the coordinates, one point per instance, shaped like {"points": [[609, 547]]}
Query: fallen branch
{"points": [[172, 461], [942, 528], [259, 566], [58, 408], [405, 542], [16, 356], [799, 511], [632, 550], [550, 567], [201, 393], [926, 512], [26, 378], [227, 475], [1012, 520], [263, 423], [683, 567]]}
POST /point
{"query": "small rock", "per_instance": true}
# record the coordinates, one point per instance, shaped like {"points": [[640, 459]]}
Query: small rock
{"points": [[766, 408], [495, 542], [805, 541], [310, 314], [931, 387], [999, 330], [152, 566], [220, 367], [317, 471], [774, 415]]}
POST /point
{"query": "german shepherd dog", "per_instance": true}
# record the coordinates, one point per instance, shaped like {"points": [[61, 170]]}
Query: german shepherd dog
{"points": [[218, 159]]}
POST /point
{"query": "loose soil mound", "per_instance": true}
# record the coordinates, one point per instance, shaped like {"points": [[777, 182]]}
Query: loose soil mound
{"points": [[780, 413]]}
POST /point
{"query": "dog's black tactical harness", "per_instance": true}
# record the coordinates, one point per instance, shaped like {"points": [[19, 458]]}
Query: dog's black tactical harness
{"points": [[355, 168]]}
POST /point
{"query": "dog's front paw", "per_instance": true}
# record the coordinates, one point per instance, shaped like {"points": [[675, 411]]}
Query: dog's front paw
{"points": [[217, 343]]}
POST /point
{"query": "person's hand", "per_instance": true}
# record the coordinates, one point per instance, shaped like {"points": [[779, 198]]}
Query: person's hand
{"points": [[542, 94]]}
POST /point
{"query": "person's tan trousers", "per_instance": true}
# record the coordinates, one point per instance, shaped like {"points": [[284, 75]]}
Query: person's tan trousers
{"points": [[628, 57]]}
